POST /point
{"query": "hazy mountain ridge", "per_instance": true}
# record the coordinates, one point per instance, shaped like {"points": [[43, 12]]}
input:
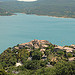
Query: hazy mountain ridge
{"points": [[59, 8]]}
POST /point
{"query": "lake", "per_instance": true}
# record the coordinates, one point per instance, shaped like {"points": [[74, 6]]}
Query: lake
{"points": [[23, 28]]}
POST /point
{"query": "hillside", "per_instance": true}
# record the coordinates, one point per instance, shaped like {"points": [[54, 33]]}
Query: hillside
{"points": [[2, 11], [58, 8], [38, 57]]}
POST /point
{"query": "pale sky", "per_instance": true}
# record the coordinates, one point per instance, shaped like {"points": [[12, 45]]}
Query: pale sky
{"points": [[27, 0]]}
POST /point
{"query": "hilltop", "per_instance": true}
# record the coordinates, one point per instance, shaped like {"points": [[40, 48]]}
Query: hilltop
{"points": [[37, 55]]}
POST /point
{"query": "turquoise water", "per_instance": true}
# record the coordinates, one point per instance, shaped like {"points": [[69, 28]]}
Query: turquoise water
{"points": [[22, 28]]}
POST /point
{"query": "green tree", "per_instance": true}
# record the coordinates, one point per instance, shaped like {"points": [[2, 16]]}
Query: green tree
{"points": [[35, 64], [36, 55], [1, 66], [47, 52], [2, 72], [69, 55], [65, 68]]}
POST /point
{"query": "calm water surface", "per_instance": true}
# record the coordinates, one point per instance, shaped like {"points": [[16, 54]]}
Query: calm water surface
{"points": [[22, 28]]}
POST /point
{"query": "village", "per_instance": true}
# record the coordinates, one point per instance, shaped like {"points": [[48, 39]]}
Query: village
{"points": [[43, 44]]}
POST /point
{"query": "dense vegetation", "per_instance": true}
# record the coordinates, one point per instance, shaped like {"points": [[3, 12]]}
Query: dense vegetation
{"points": [[35, 62], [4, 12], [59, 8]]}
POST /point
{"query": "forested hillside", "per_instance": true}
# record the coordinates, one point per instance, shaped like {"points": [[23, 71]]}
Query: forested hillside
{"points": [[38, 57], [4, 12], [59, 8]]}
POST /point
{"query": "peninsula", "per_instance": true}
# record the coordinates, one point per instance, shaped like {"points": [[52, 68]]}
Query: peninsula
{"points": [[38, 57]]}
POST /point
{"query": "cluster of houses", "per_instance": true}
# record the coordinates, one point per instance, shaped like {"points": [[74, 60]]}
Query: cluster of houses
{"points": [[68, 48], [42, 44]]}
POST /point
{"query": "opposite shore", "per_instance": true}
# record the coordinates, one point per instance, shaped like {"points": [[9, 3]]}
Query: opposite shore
{"points": [[39, 15]]}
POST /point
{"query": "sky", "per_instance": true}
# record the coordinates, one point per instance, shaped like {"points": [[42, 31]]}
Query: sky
{"points": [[27, 0]]}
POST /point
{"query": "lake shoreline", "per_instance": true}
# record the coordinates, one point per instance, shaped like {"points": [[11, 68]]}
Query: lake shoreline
{"points": [[47, 15], [39, 15], [9, 15], [22, 23]]}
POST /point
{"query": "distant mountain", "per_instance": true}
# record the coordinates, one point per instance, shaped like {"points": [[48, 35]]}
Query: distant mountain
{"points": [[58, 8]]}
